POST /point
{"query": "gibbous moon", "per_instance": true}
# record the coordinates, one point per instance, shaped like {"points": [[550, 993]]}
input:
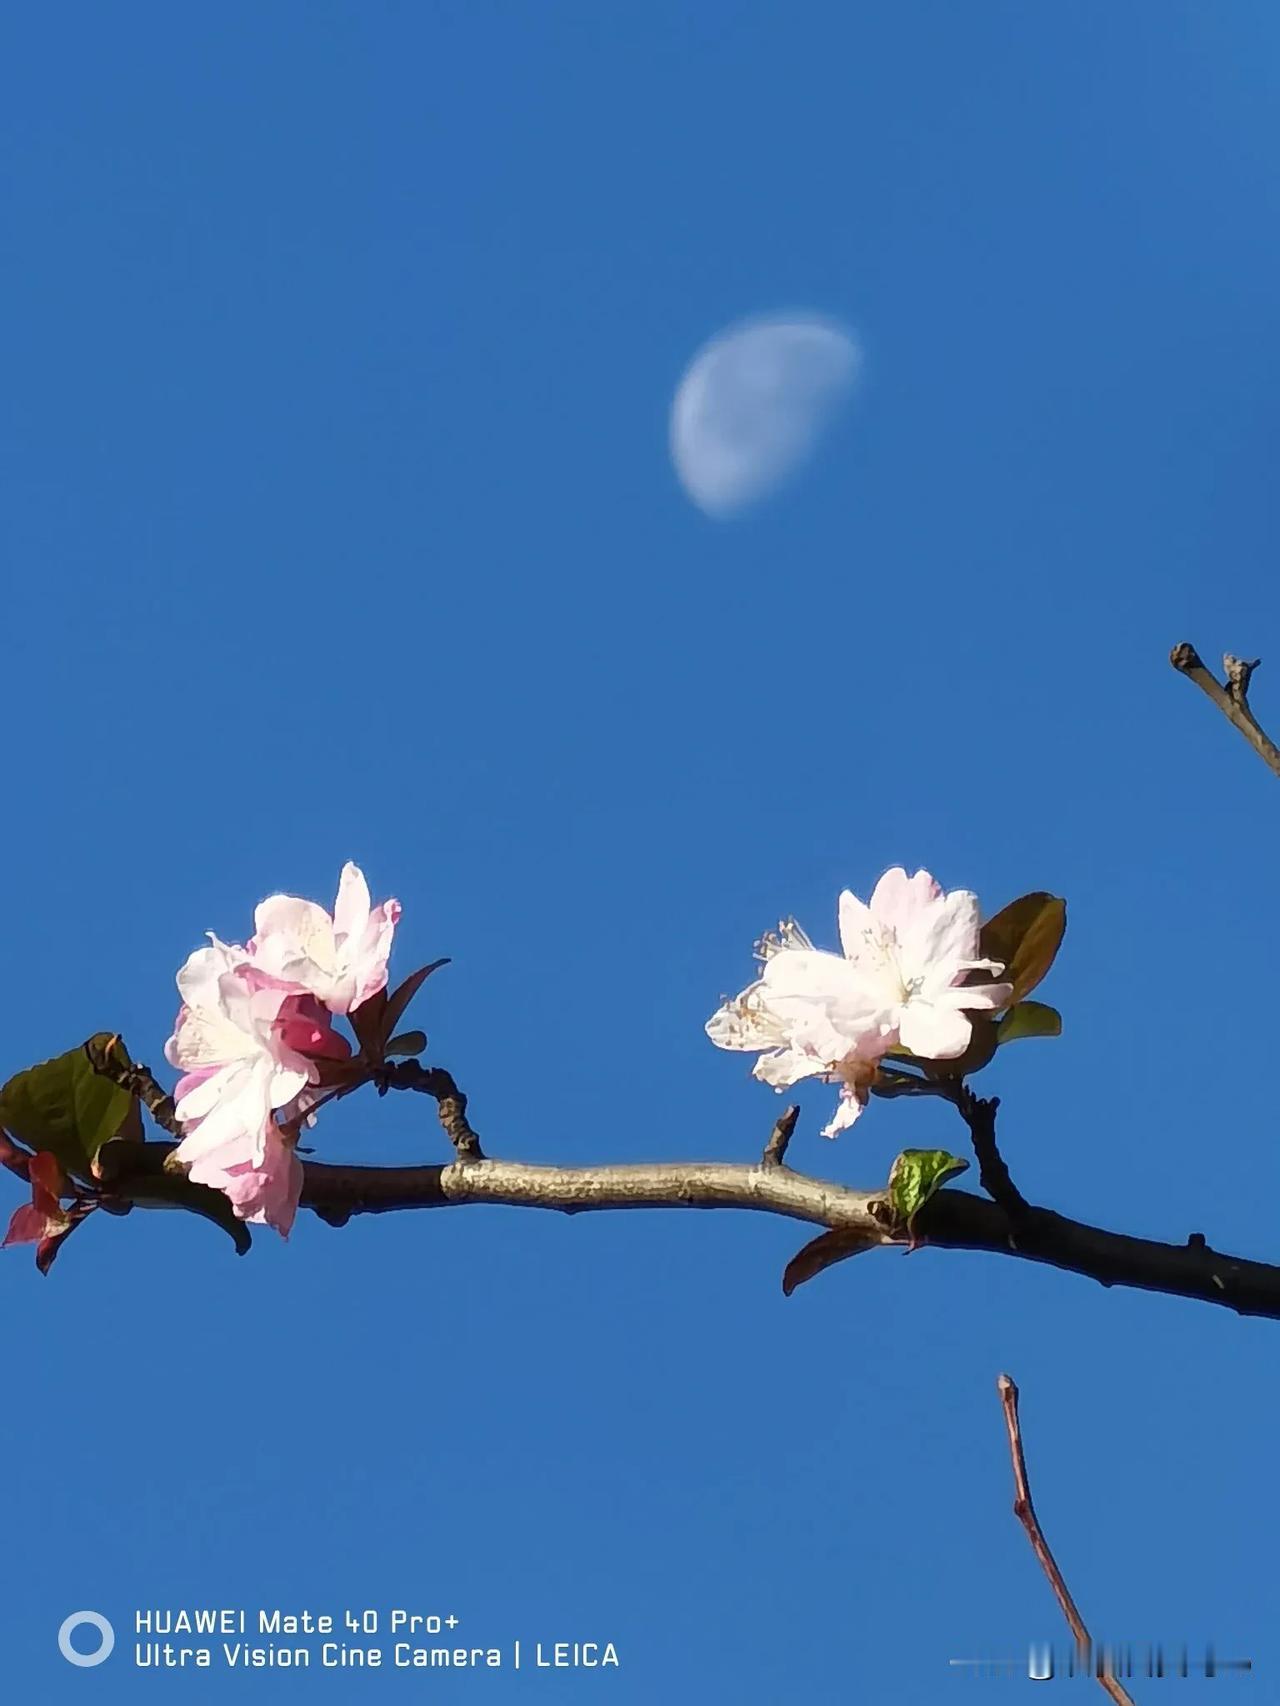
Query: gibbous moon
{"points": [[753, 404]]}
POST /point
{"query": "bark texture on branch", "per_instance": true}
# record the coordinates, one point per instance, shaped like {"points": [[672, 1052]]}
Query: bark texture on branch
{"points": [[1231, 697], [953, 1220]]}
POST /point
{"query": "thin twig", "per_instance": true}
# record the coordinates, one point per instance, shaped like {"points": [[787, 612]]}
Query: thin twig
{"points": [[775, 1151], [451, 1103], [980, 1117], [1239, 673], [111, 1059], [1232, 699], [1025, 1512]]}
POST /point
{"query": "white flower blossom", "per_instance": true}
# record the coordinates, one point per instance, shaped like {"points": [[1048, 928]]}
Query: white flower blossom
{"points": [[897, 983]]}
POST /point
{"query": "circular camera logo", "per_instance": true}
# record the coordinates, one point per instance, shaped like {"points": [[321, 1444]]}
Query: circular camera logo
{"points": [[78, 1620]]}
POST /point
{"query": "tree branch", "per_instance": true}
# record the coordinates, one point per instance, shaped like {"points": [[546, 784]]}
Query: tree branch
{"points": [[1231, 698], [953, 1220], [1025, 1511], [980, 1117], [451, 1103], [775, 1151]]}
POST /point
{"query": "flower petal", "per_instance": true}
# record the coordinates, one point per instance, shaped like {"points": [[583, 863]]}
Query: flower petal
{"points": [[848, 1108], [351, 909], [342, 960], [265, 1191], [373, 950], [198, 979], [813, 975], [975, 997], [934, 1033], [942, 938], [746, 1022], [864, 938], [293, 938], [900, 902], [782, 1067]]}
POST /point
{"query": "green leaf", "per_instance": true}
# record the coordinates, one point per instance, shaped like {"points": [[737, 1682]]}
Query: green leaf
{"points": [[172, 1190], [66, 1107], [915, 1176], [822, 1253], [1025, 938], [1030, 1019], [407, 1043]]}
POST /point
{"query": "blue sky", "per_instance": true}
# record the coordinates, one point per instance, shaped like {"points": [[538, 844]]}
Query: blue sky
{"points": [[338, 521]]}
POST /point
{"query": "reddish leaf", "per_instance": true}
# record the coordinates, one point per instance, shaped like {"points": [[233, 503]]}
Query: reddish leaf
{"points": [[400, 999], [28, 1226], [47, 1176], [367, 1023], [16, 1160], [350, 1074], [47, 1249], [42, 1218], [824, 1252]]}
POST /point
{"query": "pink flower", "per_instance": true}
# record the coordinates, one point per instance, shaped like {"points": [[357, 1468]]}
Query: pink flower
{"points": [[254, 1025], [263, 1191], [250, 1044], [341, 960], [239, 1058], [307, 1028]]}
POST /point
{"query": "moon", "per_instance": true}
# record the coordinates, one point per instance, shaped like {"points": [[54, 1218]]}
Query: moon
{"points": [[753, 404]]}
